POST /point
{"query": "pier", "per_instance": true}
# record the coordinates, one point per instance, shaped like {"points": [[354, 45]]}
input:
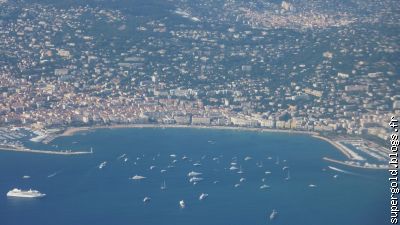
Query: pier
{"points": [[352, 164], [65, 152]]}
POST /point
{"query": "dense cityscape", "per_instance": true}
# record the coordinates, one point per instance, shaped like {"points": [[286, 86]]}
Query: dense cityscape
{"points": [[272, 65], [199, 112]]}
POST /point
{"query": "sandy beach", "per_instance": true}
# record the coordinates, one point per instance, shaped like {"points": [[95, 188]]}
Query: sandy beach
{"points": [[72, 130]]}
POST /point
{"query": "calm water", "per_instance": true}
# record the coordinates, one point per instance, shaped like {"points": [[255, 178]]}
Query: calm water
{"points": [[78, 192]]}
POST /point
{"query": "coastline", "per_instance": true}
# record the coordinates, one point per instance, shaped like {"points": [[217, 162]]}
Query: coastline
{"points": [[70, 131]]}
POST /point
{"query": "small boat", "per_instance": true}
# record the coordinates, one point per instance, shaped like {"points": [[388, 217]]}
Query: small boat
{"points": [[203, 196], [335, 176], [285, 167], [268, 172], [137, 177], [103, 164], [172, 156], [184, 157], [197, 164], [264, 186], [193, 174], [195, 179], [312, 185], [242, 179], [233, 168], [163, 171], [237, 185], [152, 167], [182, 204], [146, 199], [273, 214], [26, 177], [126, 160], [247, 158]]}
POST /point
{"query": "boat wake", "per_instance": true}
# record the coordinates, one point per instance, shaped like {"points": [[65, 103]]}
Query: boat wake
{"points": [[53, 174]]}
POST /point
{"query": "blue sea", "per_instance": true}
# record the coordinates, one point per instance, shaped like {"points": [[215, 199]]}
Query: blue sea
{"points": [[80, 193]]}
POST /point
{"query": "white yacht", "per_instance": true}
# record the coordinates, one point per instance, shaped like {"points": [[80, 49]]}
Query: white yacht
{"points": [[248, 158], [25, 194], [137, 177], [103, 164], [182, 204], [203, 196], [195, 179], [273, 214], [233, 168], [193, 174], [146, 199]]}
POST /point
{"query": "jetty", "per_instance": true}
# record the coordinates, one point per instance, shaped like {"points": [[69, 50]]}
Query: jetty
{"points": [[62, 152], [356, 165]]}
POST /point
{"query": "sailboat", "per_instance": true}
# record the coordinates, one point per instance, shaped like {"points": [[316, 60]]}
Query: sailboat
{"points": [[273, 214], [163, 186]]}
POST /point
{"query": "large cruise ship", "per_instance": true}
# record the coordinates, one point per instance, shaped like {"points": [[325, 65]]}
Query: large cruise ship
{"points": [[25, 194]]}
